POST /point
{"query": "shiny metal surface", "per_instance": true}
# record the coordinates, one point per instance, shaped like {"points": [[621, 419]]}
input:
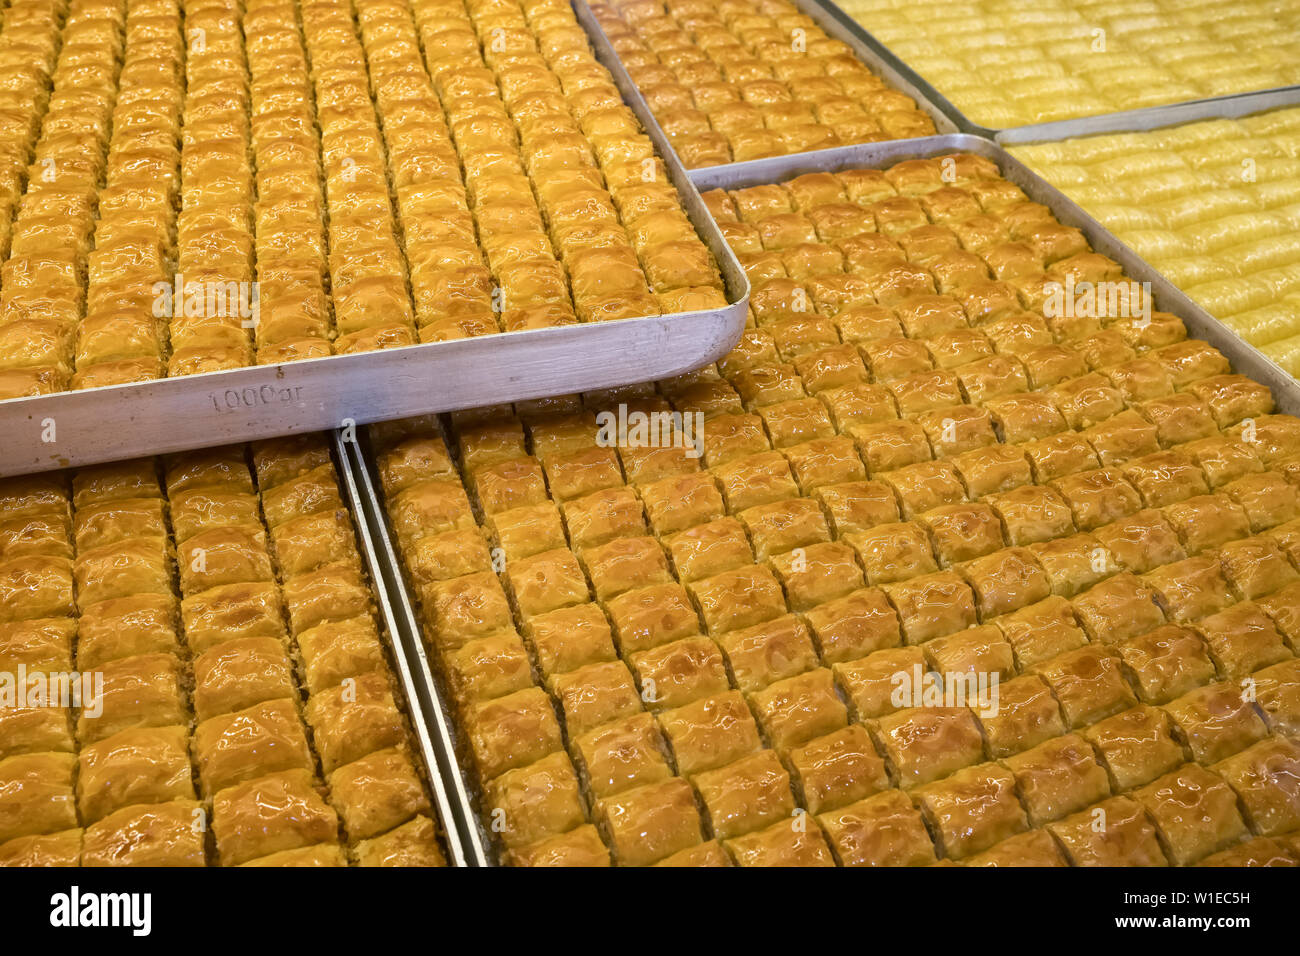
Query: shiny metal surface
{"points": [[457, 807], [360, 499]]}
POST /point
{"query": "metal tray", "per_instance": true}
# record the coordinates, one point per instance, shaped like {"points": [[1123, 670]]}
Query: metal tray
{"points": [[444, 729], [70, 429], [469, 842], [903, 80], [358, 498], [1207, 108], [1167, 297]]}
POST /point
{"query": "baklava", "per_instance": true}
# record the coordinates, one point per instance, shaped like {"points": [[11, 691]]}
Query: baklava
{"points": [[749, 79], [220, 702], [1005, 66], [1209, 205], [194, 205], [890, 614]]}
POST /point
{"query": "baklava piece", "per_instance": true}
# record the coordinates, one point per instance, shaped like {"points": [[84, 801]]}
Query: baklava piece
{"points": [[680, 672], [972, 810], [1195, 813], [265, 738], [595, 694], [1261, 851], [882, 830], [1266, 778], [513, 731], [799, 842], [797, 709], [377, 792], [1033, 849], [1242, 640], [894, 552], [1166, 663], [1006, 581], [928, 743], [1041, 631], [651, 822], [1191, 589], [147, 765], [581, 847], [1024, 715], [710, 733], [1216, 721], [622, 755], [932, 605], [835, 770], [1135, 746], [1255, 567], [280, 811], [1058, 777], [1115, 832], [534, 802], [157, 834], [1089, 684], [1277, 691], [746, 795], [356, 718], [1120, 607], [701, 855]]}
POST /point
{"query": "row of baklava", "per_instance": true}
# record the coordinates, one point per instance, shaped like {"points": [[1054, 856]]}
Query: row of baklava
{"points": [[203, 723], [450, 287], [122, 334], [29, 36], [1003, 65], [526, 286], [368, 272], [43, 278], [1121, 598], [1215, 206], [215, 240], [322, 203], [744, 80], [295, 314]]}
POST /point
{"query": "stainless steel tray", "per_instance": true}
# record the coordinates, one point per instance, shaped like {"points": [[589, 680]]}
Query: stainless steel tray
{"points": [[1190, 110], [443, 727], [358, 497], [1167, 297], [70, 429], [903, 80], [470, 843]]}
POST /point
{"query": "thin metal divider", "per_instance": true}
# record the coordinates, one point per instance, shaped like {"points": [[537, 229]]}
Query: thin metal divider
{"points": [[423, 702]]}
